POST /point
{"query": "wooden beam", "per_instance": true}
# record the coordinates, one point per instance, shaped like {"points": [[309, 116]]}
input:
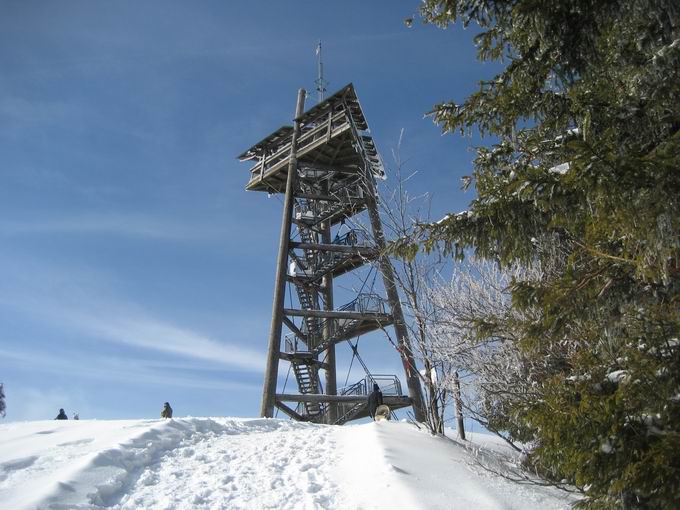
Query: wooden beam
{"points": [[337, 314], [339, 248], [323, 198], [291, 325], [287, 410], [328, 168]]}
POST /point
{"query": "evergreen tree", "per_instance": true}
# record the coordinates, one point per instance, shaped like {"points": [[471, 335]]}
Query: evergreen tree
{"points": [[583, 181]]}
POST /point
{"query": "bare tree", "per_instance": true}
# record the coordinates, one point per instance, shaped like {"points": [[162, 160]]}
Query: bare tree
{"points": [[414, 276], [474, 332]]}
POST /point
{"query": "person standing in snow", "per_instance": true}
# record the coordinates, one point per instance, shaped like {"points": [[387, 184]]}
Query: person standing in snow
{"points": [[61, 415], [375, 399], [167, 411]]}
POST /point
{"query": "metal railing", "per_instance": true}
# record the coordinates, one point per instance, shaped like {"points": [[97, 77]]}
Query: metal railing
{"points": [[294, 344], [365, 302], [354, 237], [314, 211], [389, 385]]}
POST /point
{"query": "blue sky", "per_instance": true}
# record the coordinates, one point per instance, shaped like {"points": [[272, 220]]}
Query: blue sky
{"points": [[134, 268]]}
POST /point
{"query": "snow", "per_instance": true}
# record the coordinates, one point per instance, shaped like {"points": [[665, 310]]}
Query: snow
{"points": [[460, 215], [607, 447], [561, 169], [617, 376], [253, 463]]}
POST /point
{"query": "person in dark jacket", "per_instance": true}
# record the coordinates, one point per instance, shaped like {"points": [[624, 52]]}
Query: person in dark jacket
{"points": [[375, 399], [167, 411], [61, 415]]}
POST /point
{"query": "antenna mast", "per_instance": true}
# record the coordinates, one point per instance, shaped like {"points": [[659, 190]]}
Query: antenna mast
{"points": [[320, 82]]}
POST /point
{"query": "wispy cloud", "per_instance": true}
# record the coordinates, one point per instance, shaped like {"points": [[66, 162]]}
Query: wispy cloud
{"points": [[81, 303], [150, 333], [115, 369], [130, 225]]}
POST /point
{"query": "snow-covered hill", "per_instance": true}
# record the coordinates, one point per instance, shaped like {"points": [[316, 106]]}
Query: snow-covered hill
{"points": [[236, 463]]}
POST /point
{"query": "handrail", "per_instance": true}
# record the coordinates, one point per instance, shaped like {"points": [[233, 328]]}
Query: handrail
{"points": [[389, 385], [353, 237], [284, 149], [365, 302], [292, 343]]}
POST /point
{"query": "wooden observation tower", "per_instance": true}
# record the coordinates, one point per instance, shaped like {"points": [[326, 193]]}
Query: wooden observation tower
{"points": [[325, 165]]}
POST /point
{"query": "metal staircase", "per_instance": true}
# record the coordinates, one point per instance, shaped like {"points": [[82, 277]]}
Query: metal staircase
{"points": [[307, 376]]}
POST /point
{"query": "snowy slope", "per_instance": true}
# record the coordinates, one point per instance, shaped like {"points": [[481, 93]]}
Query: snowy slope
{"points": [[240, 463]]}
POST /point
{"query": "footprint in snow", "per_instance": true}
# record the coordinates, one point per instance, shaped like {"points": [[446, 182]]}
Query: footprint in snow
{"points": [[15, 465], [149, 478], [307, 467], [313, 488], [78, 442]]}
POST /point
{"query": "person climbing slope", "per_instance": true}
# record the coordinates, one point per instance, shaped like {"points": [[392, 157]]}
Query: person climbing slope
{"points": [[167, 411]]}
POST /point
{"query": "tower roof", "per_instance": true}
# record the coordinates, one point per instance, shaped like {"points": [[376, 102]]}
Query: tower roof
{"points": [[333, 133]]}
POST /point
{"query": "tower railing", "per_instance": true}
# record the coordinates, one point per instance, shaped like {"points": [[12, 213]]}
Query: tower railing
{"points": [[389, 385], [311, 136], [353, 237], [367, 302]]}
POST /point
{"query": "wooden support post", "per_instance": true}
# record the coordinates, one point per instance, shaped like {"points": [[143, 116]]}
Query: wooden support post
{"points": [[407, 358], [274, 348], [327, 289]]}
